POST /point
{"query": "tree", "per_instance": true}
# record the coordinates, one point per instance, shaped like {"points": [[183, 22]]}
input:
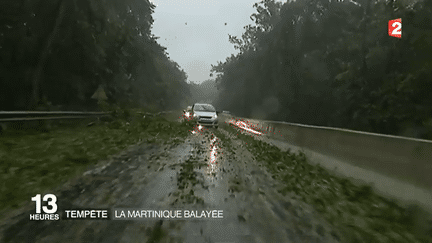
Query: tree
{"points": [[332, 63], [61, 51]]}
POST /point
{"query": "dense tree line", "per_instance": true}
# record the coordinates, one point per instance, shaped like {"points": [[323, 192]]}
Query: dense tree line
{"points": [[332, 63], [59, 52]]}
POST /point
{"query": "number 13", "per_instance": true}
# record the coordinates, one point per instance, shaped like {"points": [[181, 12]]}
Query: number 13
{"points": [[50, 198]]}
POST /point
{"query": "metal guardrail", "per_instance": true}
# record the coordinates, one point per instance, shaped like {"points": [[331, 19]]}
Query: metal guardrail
{"points": [[11, 116], [398, 167], [50, 112]]}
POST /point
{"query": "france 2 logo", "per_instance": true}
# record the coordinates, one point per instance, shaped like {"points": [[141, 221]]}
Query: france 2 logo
{"points": [[395, 28]]}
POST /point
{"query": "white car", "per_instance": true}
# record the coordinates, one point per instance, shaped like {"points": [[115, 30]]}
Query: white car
{"points": [[205, 114]]}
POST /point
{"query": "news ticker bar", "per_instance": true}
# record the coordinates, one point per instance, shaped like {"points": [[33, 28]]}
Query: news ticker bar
{"points": [[126, 214]]}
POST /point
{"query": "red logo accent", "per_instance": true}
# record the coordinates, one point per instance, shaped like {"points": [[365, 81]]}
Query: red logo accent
{"points": [[395, 28]]}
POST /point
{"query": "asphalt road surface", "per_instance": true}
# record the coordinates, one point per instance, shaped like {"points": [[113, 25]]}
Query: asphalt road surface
{"points": [[197, 174]]}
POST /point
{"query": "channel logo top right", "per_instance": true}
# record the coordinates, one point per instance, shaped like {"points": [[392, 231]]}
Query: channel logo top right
{"points": [[395, 28]]}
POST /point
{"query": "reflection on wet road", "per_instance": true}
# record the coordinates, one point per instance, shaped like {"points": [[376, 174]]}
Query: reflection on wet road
{"points": [[212, 165], [245, 126], [253, 210]]}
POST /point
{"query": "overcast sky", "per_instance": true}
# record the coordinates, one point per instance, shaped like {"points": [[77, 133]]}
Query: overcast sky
{"points": [[195, 33]]}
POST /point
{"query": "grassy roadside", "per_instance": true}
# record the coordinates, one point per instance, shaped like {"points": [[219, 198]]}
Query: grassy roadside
{"points": [[31, 163], [360, 214]]}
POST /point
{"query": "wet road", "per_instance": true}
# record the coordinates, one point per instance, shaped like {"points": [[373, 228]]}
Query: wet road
{"points": [[201, 173]]}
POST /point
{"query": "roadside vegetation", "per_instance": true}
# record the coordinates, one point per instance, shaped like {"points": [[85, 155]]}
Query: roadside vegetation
{"points": [[35, 161], [361, 215]]}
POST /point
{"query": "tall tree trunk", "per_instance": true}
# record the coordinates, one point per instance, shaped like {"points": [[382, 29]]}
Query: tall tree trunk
{"points": [[296, 75], [364, 44], [38, 73]]}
